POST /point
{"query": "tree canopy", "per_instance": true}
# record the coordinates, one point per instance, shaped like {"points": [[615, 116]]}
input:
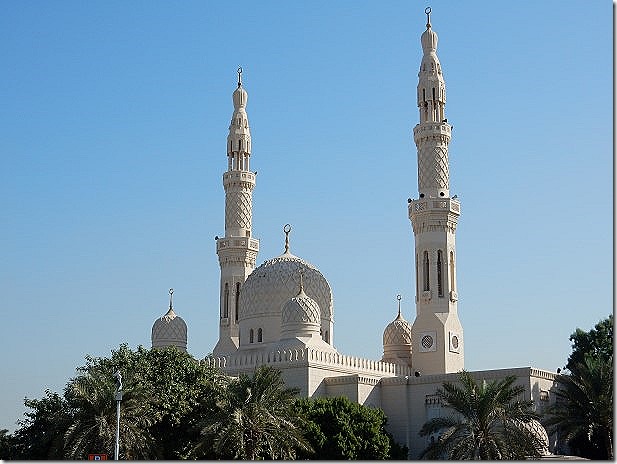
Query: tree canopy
{"points": [[166, 392], [338, 428], [582, 415], [488, 420], [253, 419], [598, 343]]}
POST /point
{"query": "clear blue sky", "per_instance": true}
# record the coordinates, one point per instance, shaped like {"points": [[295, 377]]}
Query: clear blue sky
{"points": [[114, 119]]}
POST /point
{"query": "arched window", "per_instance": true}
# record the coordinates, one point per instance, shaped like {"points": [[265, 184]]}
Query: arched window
{"points": [[426, 287], [327, 337], [237, 300], [260, 334], [452, 276], [226, 300], [251, 336], [439, 273], [417, 278]]}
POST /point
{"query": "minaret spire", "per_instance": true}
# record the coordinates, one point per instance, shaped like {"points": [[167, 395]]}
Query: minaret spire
{"points": [[237, 251], [437, 332]]}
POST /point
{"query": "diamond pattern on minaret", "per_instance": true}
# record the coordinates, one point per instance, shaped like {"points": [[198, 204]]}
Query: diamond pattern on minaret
{"points": [[238, 209], [433, 168]]}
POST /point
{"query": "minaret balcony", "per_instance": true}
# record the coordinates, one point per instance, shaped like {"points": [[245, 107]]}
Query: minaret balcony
{"points": [[434, 204], [431, 129], [239, 177], [237, 243]]}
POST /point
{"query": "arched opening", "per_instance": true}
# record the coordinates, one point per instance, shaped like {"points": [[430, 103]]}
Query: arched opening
{"points": [[426, 285], [452, 276], [260, 335], [226, 300], [237, 301], [251, 335], [439, 273]]}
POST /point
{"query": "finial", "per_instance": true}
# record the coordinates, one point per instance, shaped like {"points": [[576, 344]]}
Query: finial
{"points": [[171, 295], [240, 76], [428, 10], [287, 229], [398, 297]]}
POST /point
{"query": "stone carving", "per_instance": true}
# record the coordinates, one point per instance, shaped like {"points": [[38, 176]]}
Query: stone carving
{"points": [[238, 209], [277, 280], [433, 167]]}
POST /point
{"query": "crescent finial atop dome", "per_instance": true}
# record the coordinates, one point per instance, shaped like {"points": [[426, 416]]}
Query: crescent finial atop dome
{"points": [[287, 229]]}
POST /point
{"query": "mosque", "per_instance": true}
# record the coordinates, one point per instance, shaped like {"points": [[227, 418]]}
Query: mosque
{"points": [[281, 313]]}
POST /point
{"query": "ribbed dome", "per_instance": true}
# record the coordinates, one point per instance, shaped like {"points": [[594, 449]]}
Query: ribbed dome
{"points": [[300, 316], [397, 332], [540, 432], [169, 330], [276, 281]]}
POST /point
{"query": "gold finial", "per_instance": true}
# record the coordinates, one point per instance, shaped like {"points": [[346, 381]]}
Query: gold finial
{"points": [[171, 295], [240, 76], [398, 297], [428, 10], [287, 229]]}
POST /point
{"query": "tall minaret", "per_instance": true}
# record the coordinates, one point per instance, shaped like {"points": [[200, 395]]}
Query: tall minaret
{"points": [[237, 251], [437, 334]]}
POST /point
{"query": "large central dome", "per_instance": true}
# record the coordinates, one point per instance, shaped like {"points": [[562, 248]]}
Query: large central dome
{"points": [[273, 284], [276, 281]]}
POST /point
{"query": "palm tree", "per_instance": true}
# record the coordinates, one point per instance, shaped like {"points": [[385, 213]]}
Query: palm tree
{"points": [[583, 411], [253, 419], [489, 422], [91, 397]]}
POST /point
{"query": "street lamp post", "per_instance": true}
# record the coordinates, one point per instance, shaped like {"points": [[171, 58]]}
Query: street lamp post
{"points": [[118, 378]]}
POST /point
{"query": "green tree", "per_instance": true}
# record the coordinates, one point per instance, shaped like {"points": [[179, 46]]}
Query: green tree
{"points": [[253, 419], [338, 428], [489, 422], [583, 411], [598, 343], [166, 392], [91, 399], [7, 445], [41, 434], [179, 390]]}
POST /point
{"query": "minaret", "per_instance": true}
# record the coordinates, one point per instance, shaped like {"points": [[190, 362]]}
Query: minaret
{"points": [[437, 333], [237, 251]]}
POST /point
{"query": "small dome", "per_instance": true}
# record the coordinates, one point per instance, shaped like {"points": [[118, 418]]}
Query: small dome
{"points": [[540, 432], [169, 330], [300, 316], [397, 332]]}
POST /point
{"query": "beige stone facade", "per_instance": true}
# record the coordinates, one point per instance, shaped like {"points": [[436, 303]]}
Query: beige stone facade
{"points": [[281, 313]]}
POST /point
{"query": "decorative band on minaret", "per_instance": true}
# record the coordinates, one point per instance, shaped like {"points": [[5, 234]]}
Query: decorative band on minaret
{"points": [[437, 332], [237, 251]]}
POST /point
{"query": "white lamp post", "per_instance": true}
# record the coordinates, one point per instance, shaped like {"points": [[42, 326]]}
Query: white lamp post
{"points": [[118, 378]]}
